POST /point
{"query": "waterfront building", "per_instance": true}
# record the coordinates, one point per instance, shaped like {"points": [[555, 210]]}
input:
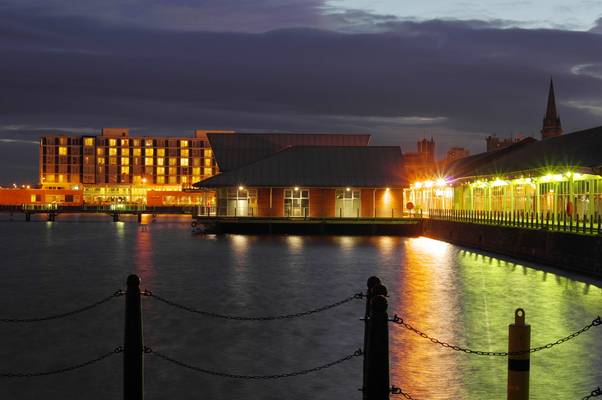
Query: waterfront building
{"points": [[560, 175], [116, 168], [455, 153], [496, 143], [314, 181]]}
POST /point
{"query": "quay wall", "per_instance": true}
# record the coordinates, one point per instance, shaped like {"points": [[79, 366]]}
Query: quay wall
{"points": [[566, 251]]}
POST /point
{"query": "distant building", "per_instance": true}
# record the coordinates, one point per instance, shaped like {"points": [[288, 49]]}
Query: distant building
{"points": [[422, 162], [496, 143], [551, 121], [455, 153]]}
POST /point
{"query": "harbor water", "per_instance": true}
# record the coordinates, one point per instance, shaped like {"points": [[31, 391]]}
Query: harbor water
{"points": [[458, 295]]}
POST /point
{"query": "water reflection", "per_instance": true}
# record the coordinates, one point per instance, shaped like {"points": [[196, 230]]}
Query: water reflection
{"points": [[143, 258]]}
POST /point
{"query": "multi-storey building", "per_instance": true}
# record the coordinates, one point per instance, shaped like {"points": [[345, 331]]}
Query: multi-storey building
{"points": [[115, 167]]}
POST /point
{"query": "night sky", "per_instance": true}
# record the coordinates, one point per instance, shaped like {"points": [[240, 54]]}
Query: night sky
{"points": [[455, 71]]}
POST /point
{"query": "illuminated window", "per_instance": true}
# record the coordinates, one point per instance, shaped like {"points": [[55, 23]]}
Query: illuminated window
{"points": [[173, 161], [196, 178], [125, 152], [296, 202], [62, 151], [125, 161], [149, 152], [173, 171], [112, 142], [50, 178], [160, 152], [184, 162], [183, 143], [112, 160], [207, 162], [184, 153], [148, 142], [112, 151], [148, 161], [124, 142], [207, 171], [136, 152], [63, 141], [100, 151], [61, 178], [196, 162], [184, 179], [137, 179], [125, 170], [208, 153], [160, 161], [161, 179], [160, 171], [100, 161], [88, 141], [136, 142], [173, 179], [196, 171], [136, 160]]}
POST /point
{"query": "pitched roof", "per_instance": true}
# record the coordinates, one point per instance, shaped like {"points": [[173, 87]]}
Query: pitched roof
{"points": [[581, 150], [318, 166], [234, 150], [466, 166]]}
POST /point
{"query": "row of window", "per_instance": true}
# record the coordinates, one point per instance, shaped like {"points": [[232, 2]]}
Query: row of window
{"points": [[124, 142]]}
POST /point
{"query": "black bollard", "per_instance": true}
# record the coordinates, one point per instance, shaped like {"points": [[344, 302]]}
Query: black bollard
{"points": [[372, 282], [133, 368], [377, 381]]}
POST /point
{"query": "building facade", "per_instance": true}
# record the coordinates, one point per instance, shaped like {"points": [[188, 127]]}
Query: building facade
{"points": [[114, 167]]}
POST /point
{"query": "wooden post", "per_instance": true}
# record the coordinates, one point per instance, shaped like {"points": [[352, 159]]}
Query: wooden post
{"points": [[519, 340], [377, 381], [133, 367], [372, 282]]}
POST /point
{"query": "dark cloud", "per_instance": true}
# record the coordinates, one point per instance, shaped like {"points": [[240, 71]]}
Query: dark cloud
{"points": [[458, 81]]}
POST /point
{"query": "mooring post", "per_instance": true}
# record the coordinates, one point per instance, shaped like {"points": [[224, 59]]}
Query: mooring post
{"points": [[519, 340], [371, 283], [139, 217], [377, 382], [133, 368]]}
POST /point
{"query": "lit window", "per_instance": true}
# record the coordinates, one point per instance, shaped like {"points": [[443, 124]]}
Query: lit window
{"points": [[196, 178], [62, 151], [184, 153], [160, 171], [207, 162], [61, 178], [184, 162], [125, 161], [196, 162], [112, 151], [149, 152], [173, 179], [184, 179], [100, 151], [112, 160], [173, 171], [137, 152], [148, 142], [100, 161], [160, 152], [124, 142], [136, 142], [112, 142], [125, 170], [183, 143], [125, 152], [160, 161], [148, 161], [161, 179], [207, 171], [196, 171], [88, 141], [173, 161], [208, 153]]}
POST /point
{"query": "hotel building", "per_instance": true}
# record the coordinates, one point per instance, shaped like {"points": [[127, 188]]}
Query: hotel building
{"points": [[115, 167]]}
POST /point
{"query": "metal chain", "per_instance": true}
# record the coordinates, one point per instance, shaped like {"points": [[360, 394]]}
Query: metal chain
{"points": [[396, 319], [357, 353], [595, 393], [397, 390], [116, 350], [260, 318], [65, 314]]}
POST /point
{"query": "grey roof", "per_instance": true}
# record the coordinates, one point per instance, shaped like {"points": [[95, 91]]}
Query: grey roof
{"points": [[578, 150], [466, 166], [234, 150], [318, 166]]}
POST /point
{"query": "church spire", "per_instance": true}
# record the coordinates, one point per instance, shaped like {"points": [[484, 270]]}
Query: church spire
{"points": [[551, 121]]}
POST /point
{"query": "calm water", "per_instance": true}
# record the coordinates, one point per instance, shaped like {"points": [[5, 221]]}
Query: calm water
{"points": [[460, 296]]}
